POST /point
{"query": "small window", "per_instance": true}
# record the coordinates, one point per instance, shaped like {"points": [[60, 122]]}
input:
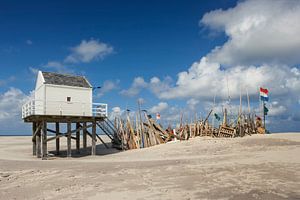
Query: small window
{"points": [[68, 99]]}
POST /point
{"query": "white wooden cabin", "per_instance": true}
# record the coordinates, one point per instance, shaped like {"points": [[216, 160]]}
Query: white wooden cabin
{"points": [[63, 95]]}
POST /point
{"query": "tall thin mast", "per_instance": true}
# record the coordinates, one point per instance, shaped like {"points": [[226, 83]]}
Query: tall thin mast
{"points": [[248, 99]]}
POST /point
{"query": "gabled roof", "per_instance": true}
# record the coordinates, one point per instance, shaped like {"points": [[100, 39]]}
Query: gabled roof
{"points": [[64, 79]]}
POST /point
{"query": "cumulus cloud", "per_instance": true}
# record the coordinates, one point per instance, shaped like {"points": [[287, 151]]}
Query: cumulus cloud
{"points": [[58, 67], [192, 103], [159, 107], [259, 31], [115, 112], [261, 51], [204, 80], [88, 50], [155, 85], [135, 88], [108, 86], [11, 103]]}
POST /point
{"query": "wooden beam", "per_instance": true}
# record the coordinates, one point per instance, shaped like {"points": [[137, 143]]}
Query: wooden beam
{"points": [[63, 118], [34, 138], [44, 140], [102, 141], [72, 131], [104, 130], [38, 142], [84, 135], [57, 138], [78, 128], [37, 129], [94, 138], [69, 153]]}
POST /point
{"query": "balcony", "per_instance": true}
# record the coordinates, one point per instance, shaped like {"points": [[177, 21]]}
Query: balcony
{"points": [[62, 108]]}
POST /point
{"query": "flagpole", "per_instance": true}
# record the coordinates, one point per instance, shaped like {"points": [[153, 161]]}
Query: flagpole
{"points": [[264, 115], [213, 119]]}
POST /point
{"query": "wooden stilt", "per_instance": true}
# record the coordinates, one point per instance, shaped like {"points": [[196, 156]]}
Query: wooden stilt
{"points": [[57, 139], [44, 141], [69, 153], [38, 142], [94, 138], [34, 126], [78, 137], [84, 135]]}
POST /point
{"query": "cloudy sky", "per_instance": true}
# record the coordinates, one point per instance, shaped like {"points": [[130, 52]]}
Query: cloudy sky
{"points": [[175, 56]]}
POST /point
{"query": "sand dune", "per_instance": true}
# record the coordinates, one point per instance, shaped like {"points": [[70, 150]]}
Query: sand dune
{"points": [[253, 167]]}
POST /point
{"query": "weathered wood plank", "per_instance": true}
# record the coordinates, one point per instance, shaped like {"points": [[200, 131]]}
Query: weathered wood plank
{"points": [[62, 118], [69, 153], [44, 141], [34, 127], [57, 138], [78, 128], [38, 143], [94, 138], [84, 128]]}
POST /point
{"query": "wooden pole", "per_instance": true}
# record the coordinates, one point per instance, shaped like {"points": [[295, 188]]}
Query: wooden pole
{"points": [[142, 128], [44, 140], [77, 137], [34, 138], [84, 135], [57, 138], [69, 153], [94, 138], [38, 142]]}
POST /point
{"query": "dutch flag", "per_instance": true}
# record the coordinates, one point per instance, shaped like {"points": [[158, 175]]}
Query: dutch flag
{"points": [[264, 94]]}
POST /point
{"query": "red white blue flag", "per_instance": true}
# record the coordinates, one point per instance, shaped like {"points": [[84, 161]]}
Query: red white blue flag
{"points": [[264, 94]]}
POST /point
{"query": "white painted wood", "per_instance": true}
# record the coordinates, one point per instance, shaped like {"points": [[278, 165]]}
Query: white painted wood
{"points": [[57, 104], [52, 99]]}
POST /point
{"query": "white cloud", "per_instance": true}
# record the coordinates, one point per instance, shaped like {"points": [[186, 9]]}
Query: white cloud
{"points": [[192, 103], [276, 109], [4, 82], [159, 107], [88, 51], [34, 70], [157, 86], [29, 42], [259, 31], [58, 67], [11, 103], [115, 112], [203, 80], [108, 86], [135, 88]]}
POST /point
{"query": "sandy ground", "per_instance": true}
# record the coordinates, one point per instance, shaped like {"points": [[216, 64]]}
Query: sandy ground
{"points": [[253, 167]]}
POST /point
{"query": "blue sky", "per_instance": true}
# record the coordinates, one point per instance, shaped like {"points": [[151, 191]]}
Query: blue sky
{"points": [[146, 39]]}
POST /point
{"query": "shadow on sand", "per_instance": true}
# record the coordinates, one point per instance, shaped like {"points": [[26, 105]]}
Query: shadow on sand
{"points": [[101, 150]]}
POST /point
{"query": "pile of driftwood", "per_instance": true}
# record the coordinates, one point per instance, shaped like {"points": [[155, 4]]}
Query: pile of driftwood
{"points": [[146, 132]]}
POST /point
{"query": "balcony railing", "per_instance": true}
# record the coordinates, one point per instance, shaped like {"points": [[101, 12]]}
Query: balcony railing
{"points": [[37, 107]]}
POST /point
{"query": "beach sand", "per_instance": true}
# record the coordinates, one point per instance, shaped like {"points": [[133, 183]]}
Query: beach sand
{"points": [[253, 167]]}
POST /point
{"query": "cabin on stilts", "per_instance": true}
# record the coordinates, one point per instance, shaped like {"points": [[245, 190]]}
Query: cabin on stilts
{"points": [[65, 99]]}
